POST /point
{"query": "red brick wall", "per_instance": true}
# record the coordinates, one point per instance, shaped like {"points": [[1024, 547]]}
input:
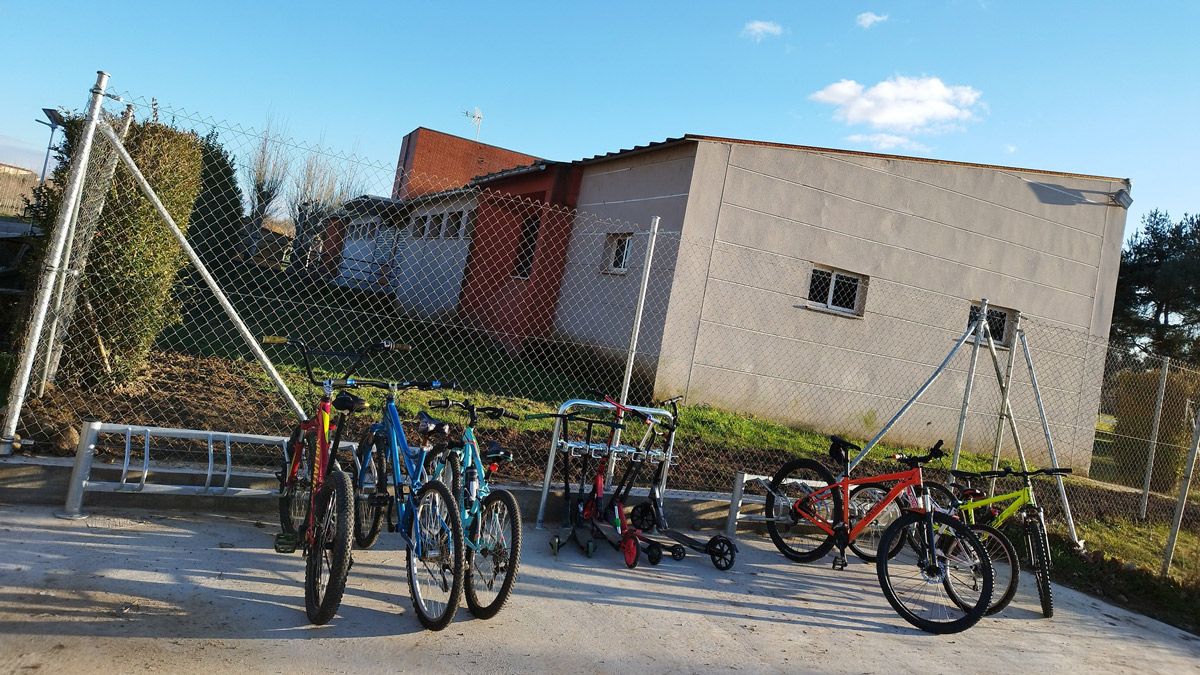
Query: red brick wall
{"points": [[431, 161], [491, 298]]}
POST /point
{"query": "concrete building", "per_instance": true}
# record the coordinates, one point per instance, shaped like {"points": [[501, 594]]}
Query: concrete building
{"points": [[821, 286]]}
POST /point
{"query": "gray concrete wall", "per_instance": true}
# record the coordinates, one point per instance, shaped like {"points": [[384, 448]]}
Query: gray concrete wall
{"points": [[623, 195], [932, 238]]}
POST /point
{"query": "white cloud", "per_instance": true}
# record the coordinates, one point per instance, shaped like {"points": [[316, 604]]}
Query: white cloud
{"points": [[907, 105], [887, 142], [761, 30], [1010, 148], [868, 19]]}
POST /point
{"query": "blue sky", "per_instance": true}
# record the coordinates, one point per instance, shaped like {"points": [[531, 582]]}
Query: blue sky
{"points": [[1097, 87]]}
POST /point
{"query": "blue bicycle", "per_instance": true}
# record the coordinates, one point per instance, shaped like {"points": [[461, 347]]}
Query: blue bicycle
{"points": [[491, 517], [422, 510]]}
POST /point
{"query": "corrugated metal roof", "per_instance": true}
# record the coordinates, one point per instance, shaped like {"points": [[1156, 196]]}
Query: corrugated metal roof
{"points": [[539, 165]]}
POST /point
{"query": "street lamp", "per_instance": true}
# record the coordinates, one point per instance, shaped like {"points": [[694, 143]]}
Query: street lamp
{"points": [[55, 122]]}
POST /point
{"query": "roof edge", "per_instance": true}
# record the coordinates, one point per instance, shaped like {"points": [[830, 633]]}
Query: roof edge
{"points": [[880, 155]]}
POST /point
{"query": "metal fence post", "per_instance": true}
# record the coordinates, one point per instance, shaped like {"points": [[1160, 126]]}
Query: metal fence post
{"points": [[45, 288], [73, 508], [64, 300], [637, 327], [250, 340], [966, 404], [1158, 405], [1006, 393], [1181, 504]]}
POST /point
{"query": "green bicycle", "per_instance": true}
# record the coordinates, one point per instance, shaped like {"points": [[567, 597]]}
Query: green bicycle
{"points": [[1031, 516]]}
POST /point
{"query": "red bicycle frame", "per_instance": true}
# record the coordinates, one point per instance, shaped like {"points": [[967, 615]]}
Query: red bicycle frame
{"points": [[321, 426], [909, 478]]}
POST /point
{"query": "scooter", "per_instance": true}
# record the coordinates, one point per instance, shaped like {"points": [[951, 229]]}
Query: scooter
{"points": [[648, 517]]}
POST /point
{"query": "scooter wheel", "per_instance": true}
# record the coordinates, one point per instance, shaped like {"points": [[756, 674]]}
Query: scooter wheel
{"points": [[555, 544], [722, 552], [629, 546], [654, 553], [642, 517], [678, 552], [590, 547]]}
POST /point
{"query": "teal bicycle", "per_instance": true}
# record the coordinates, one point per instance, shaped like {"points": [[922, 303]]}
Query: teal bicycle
{"points": [[491, 518]]}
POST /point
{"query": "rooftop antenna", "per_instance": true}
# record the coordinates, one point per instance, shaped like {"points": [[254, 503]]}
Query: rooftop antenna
{"points": [[476, 119]]}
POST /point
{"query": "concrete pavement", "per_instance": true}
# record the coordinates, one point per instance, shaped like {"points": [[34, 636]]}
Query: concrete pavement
{"points": [[141, 591]]}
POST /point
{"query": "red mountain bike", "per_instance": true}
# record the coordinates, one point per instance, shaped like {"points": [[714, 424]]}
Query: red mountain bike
{"points": [[937, 574]]}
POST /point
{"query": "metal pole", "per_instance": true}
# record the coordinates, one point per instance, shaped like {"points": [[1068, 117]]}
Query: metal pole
{"points": [[1158, 404], [73, 508], [1006, 411], [966, 404], [637, 327], [20, 381], [1005, 393], [92, 214], [541, 514], [49, 147], [1037, 396], [212, 283], [1181, 504], [904, 408]]}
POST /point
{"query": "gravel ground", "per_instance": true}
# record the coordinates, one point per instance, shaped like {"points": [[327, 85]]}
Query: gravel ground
{"points": [[136, 591]]}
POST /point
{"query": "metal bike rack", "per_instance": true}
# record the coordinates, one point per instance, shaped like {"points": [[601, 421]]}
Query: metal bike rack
{"points": [[558, 444], [86, 451], [738, 497]]}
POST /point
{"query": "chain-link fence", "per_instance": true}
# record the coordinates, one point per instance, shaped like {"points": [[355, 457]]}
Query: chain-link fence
{"points": [[519, 279]]}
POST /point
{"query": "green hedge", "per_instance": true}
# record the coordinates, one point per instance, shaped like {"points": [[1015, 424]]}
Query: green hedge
{"points": [[1136, 395], [127, 293]]}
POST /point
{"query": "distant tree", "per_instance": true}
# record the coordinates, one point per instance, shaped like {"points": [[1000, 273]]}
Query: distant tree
{"points": [[265, 177], [316, 195], [217, 225], [1157, 308]]}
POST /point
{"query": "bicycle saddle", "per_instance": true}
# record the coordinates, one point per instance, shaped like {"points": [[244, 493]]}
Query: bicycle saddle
{"points": [[347, 402], [429, 425], [838, 448], [496, 454]]}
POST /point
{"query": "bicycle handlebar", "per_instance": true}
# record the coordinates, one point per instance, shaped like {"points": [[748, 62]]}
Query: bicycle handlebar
{"points": [[491, 412], [1008, 471], [360, 356], [575, 417], [935, 452]]}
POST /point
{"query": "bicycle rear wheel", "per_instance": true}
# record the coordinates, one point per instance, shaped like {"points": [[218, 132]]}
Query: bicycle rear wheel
{"points": [[328, 562], [790, 495], [1039, 549], [943, 590], [368, 518], [1006, 566], [294, 491], [435, 556], [493, 568]]}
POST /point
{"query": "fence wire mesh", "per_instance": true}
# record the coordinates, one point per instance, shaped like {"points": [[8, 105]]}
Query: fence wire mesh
{"points": [[501, 281]]}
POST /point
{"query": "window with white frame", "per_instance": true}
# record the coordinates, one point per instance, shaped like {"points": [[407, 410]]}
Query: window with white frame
{"points": [[616, 252], [419, 225], [468, 224], [1000, 322], [435, 230], [837, 290]]}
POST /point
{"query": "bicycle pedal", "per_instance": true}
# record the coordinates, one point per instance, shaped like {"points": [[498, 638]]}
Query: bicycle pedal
{"points": [[839, 563], [286, 542], [379, 501]]}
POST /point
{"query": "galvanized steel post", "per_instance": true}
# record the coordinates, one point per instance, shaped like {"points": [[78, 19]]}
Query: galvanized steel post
{"points": [[1158, 405], [50, 272]]}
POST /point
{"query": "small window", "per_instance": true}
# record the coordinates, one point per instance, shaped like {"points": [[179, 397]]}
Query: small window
{"points": [[468, 224], [836, 290], [435, 231], [453, 225], [616, 253], [526, 247], [419, 224], [998, 321]]}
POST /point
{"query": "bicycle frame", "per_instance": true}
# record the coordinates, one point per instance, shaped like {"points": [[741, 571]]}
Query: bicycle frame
{"points": [[1019, 499], [413, 459], [907, 479]]}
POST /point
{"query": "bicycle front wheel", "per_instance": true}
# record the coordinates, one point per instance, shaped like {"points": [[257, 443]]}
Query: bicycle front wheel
{"points": [[941, 590], [492, 569], [1039, 549], [328, 562], [435, 556], [1006, 566], [800, 491]]}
